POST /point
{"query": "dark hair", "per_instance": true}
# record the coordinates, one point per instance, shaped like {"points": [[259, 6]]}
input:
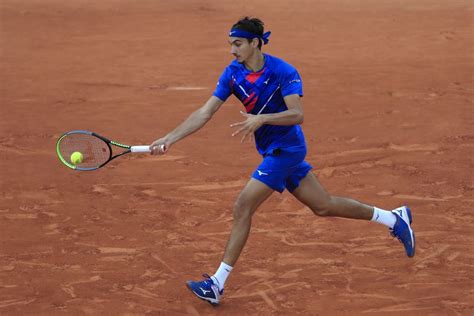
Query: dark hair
{"points": [[252, 25]]}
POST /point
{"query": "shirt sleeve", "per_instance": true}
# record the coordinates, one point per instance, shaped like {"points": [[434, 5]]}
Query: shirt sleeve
{"points": [[224, 85], [291, 81]]}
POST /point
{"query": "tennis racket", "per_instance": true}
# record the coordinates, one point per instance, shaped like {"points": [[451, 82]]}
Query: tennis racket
{"points": [[95, 150]]}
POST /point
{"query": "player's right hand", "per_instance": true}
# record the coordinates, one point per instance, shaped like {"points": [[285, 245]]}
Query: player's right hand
{"points": [[159, 146]]}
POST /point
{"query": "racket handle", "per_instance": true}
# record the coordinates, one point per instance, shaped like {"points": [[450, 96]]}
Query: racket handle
{"points": [[140, 149]]}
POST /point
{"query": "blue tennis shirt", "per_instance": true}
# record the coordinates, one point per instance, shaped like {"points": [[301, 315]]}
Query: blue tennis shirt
{"points": [[262, 92]]}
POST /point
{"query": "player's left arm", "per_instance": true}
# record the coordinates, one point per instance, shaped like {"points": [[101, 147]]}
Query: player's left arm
{"points": [[292, 116]]}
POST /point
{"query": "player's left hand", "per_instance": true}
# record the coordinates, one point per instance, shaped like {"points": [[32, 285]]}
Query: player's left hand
{"points": [[249, 126]]}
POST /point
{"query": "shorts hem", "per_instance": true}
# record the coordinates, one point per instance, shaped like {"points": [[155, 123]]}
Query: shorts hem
{"points": [[279, 190], [299, 181]]}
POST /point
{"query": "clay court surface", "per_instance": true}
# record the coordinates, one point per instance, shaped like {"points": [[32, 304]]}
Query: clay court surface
{"points": [[388, 120]]}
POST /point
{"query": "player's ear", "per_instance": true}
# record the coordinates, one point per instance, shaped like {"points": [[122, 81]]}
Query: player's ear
{"points": [[255, 42]]}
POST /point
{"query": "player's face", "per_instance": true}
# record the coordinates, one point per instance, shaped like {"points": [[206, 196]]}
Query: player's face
{"points": [[241, 48]]}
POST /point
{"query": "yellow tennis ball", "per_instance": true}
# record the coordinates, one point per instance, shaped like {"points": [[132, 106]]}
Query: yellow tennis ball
{"points": [[76, 157]]}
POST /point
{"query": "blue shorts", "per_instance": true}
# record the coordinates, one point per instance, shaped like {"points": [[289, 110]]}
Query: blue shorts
{"points": [[283, 168]]}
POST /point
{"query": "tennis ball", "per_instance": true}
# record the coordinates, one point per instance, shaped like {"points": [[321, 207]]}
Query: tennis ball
{"points": [[76, 157]]}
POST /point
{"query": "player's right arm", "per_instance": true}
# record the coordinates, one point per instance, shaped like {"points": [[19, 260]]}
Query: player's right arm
{"points": [[193, 123]]}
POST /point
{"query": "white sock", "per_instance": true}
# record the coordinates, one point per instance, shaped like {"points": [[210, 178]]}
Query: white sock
{"points": [[222, 274], [384, 217]]}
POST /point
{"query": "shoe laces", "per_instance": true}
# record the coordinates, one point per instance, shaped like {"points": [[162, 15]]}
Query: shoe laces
{"points": [[394, 235], [212, 281], [207, 278]]}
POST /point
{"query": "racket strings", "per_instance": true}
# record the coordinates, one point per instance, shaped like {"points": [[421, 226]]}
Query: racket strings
{"points": [[94, 150]]}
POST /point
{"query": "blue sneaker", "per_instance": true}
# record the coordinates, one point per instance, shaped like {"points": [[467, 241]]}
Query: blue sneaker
{"points": [[206, 290], [403, 231]]}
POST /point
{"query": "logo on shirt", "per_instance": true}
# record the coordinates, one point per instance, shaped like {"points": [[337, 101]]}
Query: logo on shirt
{"points": [[260, 173]]}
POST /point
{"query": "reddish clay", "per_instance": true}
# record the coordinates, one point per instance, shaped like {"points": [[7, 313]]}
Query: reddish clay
{"points": [[388, 119]]}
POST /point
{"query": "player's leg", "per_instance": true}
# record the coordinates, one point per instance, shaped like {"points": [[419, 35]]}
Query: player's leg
{"points": [[311, 193], [250, 198]]}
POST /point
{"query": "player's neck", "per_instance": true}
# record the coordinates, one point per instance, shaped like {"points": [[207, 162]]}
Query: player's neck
{"points": [[255, 62]]}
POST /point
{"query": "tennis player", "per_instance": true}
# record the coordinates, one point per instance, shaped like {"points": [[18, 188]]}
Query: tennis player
{"points": [[271, 90]]}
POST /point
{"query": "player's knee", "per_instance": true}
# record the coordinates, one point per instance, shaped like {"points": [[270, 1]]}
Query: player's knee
{"points": [[242, 210], [320, 211], [322, 208]]}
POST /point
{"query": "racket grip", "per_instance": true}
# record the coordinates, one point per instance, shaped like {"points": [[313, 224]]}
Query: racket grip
{"points": [[140, 149]]}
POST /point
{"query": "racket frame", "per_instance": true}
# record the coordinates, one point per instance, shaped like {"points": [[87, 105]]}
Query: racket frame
{"points": [[109, 142]]}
